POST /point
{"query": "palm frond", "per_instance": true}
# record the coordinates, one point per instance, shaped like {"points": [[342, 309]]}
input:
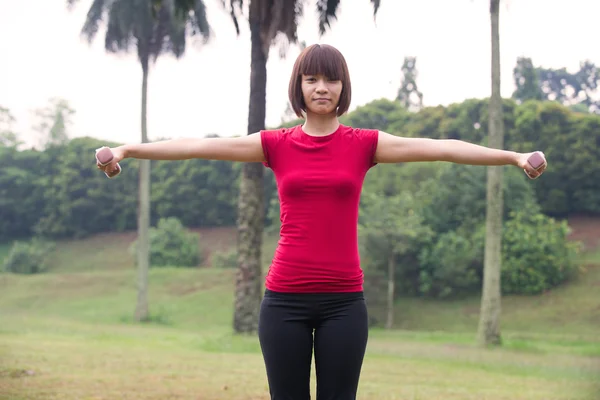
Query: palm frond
{"points": [[376, 5], [123, 28], [326, 10], [235, 8], [162, 25], [71, 4], [94, 18], [285, 17], [199, 20]]}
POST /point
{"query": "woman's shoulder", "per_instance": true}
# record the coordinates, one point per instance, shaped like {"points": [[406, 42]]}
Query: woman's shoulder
{"points": [[358, 132], [280, 131]]}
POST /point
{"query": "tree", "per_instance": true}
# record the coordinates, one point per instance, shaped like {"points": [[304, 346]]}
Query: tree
{"points": [[408, 94], [153, 28], [269, 21], [576, 90], [527, 81], [489, 320], [8, 137], [389, 226], [53, 122]]}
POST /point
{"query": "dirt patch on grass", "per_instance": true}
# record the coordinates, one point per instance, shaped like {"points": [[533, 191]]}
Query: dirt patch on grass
{"points": [[215, 239], [585, 229], [201, 283], [185, 289], [15, 373], [110, 251]]}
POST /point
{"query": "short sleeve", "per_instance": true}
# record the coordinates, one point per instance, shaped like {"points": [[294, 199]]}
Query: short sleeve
{"points": [[269, 140], [369, 139]]}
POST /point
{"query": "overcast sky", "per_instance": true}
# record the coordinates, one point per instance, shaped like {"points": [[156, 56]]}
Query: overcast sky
{"points": [[44, 56]]}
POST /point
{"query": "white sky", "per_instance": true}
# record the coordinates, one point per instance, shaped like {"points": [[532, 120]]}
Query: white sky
{"points": [[207, 91]]}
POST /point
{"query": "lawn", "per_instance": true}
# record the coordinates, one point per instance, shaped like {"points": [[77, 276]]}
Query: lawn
{"points": [[69, 334]]}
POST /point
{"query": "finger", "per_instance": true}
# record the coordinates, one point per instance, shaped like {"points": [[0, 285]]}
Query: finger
{"points": [[531, 173]]}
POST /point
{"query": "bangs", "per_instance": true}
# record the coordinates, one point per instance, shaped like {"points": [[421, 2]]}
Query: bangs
{"points": [[323, 60], [320, 59]]}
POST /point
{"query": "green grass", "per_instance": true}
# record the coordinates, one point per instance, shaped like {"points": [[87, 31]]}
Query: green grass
{"points": [[70, 334], [592, 257], [4, 250]]}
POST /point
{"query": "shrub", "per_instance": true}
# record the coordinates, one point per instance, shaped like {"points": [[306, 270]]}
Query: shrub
{"points": [[536, 254], [451, 266], [171, 244], [28, 257], [225, 259]]}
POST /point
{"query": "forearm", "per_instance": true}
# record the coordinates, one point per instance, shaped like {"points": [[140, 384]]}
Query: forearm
{"points": [[175, 149], [461, 152], [395, 149], [244, 149]]}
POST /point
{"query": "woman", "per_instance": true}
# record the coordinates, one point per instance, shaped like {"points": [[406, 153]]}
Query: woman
{"points": [[313, 298]]}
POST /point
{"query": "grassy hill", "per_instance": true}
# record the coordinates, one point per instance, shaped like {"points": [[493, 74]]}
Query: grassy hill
{"points": [[69, 334]]}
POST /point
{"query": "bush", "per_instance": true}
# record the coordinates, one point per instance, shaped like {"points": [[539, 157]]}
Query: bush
{"points": [[452, 265], [458, 197], [171, 244], [225, 259], [536, 254], [28, 257]]}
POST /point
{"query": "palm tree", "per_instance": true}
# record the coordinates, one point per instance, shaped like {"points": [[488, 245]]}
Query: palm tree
{"points": [[267, 19], [489, 320], [152, 28]]}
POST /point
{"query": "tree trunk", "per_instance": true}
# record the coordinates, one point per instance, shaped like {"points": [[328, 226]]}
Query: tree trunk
{"points": [[390, 296], [489, 321], [250, 222], [143, 249]]}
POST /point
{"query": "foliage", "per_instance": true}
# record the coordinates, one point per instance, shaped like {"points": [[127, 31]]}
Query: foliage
{"points": [[409, 95], [28, 257], [452, 264], [391, 230], [578, 89], [536, 254], [460, 200], [59, 193], [446, 258], [225, 259], [171, 244], [8, 137], [53, 122], [380, 114]]}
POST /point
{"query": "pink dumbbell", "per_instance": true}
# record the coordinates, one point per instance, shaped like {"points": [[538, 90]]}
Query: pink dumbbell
{"points": [[104, 156], [537, 161]]}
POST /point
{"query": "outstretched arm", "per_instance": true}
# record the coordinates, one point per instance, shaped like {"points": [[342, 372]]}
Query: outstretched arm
{"points": [[244, 149], [395, 149]]}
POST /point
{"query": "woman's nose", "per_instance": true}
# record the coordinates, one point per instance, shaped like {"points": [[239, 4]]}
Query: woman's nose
{"points": [[321, 86]]}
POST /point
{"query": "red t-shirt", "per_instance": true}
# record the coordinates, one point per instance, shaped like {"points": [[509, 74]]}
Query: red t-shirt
{"points": [[319, 181]]}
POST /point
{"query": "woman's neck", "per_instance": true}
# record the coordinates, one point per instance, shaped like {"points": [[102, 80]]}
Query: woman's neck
{"points": [[320, 125]]}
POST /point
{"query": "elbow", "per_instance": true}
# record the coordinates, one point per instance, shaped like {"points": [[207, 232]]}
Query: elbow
{"points": [[447, 150]]}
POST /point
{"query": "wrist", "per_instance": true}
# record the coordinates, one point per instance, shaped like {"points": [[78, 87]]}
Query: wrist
{"points": [[514, 158], [125, 150]]}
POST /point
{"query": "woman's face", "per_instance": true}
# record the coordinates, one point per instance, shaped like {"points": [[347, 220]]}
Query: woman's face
{"points": [[321, 94]]}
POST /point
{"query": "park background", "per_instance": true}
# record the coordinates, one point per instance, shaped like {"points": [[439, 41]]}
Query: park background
{"points": [[70, 319]]}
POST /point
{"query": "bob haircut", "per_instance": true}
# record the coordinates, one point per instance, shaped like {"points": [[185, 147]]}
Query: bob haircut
{"points": [[320, 59]]}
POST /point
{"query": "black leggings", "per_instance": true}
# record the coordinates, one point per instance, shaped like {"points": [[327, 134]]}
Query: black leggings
{"points": [[286, 325]]}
